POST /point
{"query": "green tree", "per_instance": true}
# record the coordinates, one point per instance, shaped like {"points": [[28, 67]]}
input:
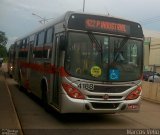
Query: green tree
{"points": [[3, 51], [3, 42], [3, 38]]}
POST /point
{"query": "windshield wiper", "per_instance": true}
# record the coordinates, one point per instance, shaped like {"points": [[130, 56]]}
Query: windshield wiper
{"points": [[122, 44], [94, 40], [98, 47]]}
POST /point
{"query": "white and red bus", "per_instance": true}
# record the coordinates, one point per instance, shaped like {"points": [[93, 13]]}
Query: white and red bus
{"points": [[82, 63]]}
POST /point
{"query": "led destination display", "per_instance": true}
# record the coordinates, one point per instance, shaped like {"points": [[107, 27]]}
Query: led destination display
{"points": [[105, 24]]}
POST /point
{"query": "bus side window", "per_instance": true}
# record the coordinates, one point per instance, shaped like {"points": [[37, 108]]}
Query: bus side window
{"points": [[48, 43], [24, 43], [41, 37], [49, 36], [38, 51], [20, 44], [23, 52], [32, 40]]}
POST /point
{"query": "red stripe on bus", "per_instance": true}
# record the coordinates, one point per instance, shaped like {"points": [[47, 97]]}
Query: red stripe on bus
{"points": [[48, 68], [38, 48], [24, 50], [62, 72]]}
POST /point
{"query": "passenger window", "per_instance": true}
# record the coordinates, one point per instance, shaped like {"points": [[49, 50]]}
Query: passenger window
{"points": [[41, 36], [38, 50], [24, 43], [23, 52], [20, 44], [49, 35], [32, 39]]}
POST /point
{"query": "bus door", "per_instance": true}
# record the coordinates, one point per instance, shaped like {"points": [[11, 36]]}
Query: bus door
{"points": [[56, 77]]}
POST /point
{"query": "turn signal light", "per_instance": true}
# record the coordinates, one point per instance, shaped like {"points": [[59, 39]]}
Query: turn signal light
{"points": [[134, 94], [72, 92]]}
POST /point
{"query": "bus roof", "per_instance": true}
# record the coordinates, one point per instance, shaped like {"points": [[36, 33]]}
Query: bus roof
{"points": [[104, 24], [82, 16]]}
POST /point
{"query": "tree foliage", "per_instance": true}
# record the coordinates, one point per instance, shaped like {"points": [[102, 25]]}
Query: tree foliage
{"points": [[3, 51], [3, 38], [3, 42]]}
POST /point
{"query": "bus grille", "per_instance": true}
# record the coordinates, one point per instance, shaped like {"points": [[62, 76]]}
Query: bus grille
{"points": [[110, 89], [102, 97], [105, 105]]}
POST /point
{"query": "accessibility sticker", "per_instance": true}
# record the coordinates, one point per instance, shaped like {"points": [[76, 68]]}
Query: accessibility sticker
{"points": [[114, 74]]}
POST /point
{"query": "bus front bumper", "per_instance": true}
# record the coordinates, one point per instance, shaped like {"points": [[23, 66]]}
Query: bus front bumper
{"points": [[70, 105]]}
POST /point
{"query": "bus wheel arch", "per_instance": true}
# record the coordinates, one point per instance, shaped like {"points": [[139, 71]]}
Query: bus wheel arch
{"points": [[44, 89]]}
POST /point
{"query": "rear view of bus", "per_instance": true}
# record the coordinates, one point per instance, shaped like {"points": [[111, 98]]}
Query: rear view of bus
{"points": [[103, 62]]}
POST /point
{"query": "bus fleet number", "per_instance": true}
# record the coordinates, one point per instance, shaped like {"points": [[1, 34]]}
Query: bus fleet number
{"points": [[87, 86]]}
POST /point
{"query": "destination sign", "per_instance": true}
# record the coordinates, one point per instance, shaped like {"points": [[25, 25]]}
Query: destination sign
{"points": [[106, 26]]}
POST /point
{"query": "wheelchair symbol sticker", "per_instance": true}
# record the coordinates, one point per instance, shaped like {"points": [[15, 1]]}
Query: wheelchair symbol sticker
{"points": [[114, 74]]}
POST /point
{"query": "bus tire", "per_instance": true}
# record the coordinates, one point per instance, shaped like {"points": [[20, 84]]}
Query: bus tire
{"points": [[44, 96]]}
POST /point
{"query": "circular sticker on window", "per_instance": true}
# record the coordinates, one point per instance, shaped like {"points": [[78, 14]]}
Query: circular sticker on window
{"points": [[96, 71]]}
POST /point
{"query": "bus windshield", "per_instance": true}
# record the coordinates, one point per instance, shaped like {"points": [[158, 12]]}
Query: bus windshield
{"points": [[103, 58]]}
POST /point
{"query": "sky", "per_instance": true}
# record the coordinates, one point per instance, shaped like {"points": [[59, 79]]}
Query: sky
{"points": [[17, 19]]}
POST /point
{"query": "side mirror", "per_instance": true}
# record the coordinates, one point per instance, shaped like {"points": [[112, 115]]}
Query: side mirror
{"points": [[62, 42]]}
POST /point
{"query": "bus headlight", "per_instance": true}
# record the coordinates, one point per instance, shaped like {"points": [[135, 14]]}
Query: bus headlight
{"points": [[11, 68], [72, 92], [134, 94]]}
